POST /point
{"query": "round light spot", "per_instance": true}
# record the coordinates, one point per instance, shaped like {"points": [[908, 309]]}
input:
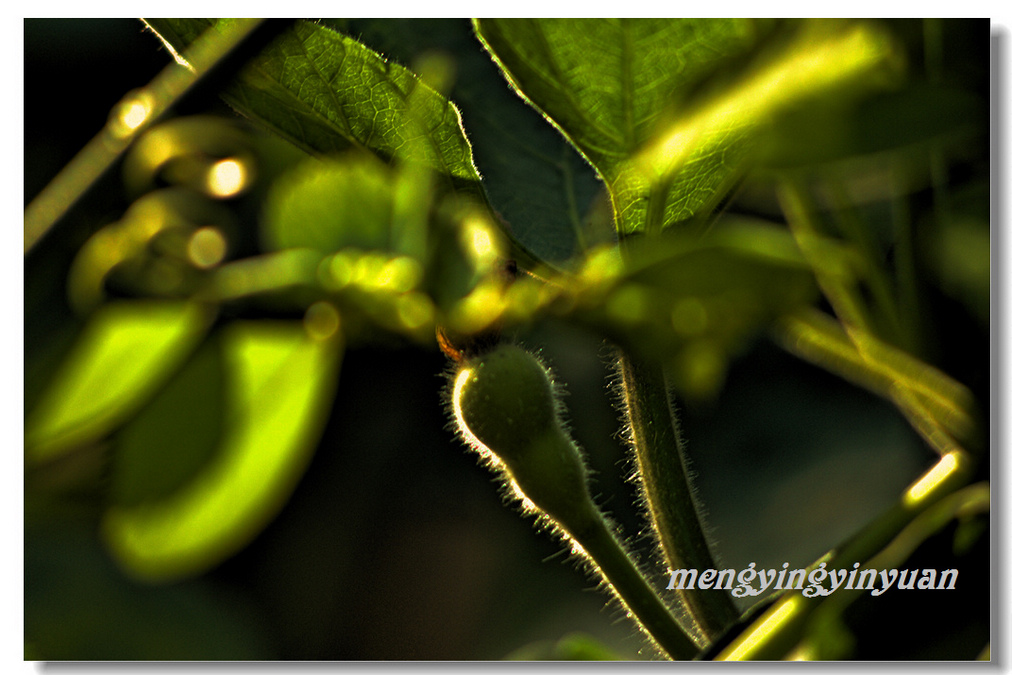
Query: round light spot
{"points": [[227, 178], [207, 247], [628, 304], [132, 112], [689, 316], [321, 320], [414, 310], [400, 275]]}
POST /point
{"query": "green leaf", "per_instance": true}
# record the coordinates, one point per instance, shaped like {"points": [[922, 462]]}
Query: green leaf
{"points": [[125, 353], [611, 84], [623, 91], [174, 436], [535, 180], [607, 82], [326, 92], [332, 205], [279, 387], [693, 303]]}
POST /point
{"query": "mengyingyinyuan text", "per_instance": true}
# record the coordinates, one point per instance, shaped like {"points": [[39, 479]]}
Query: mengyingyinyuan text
{"points": [[817, 581]]}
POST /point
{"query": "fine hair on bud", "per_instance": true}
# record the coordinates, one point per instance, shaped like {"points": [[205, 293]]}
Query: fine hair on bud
{"points": [[506, 407]]}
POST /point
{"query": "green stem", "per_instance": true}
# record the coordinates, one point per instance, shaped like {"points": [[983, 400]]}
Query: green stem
{"points": [[835, 280], [137, 112], [626, 580], [673, 512], [971, 500], [856, 229], [777, 630], [938, 407]]}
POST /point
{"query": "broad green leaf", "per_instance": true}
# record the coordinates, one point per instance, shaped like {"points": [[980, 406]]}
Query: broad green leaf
{"points": [[174, 436], [331, 205], [608, 82], [622, 91], [611, 84], [326, 92], [278, 390], [535, 180], [125, 353]]}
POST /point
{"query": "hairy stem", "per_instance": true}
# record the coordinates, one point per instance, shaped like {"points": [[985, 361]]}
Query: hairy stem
{"points": [[628, 583], [672, 509]]}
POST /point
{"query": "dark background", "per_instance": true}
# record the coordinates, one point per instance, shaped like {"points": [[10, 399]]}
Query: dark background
{"points": [[396, 544]]}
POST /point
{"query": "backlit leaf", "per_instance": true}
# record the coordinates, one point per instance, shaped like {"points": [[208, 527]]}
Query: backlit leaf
{"points": [[534, 178], [124, 355], [328, 206], [278, 390], [174, 436], [326, 92], [623, 92]]}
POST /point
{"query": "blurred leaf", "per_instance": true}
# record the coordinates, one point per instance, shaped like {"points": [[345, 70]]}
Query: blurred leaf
{"points": [[691, 302], [572, 647], [123, 356], [694, 303], [534, 178], [611, 87], [279, 388], [394, 257], [174, 436], [331, 205], [326, 92]]}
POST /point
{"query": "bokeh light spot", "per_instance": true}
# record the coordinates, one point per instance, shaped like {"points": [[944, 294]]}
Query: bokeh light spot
{"points": [[414, 310], [400, 274], [321, 320], [207, 247], [367, 270], [628, 304], [689, 316], [337, 270], [227, 178], [132, 112], [480, 243]]}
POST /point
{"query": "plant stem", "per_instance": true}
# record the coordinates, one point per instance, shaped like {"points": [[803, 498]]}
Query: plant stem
{"points": [[138, 111], [777, 630], [643, 603], [666, 491]]}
